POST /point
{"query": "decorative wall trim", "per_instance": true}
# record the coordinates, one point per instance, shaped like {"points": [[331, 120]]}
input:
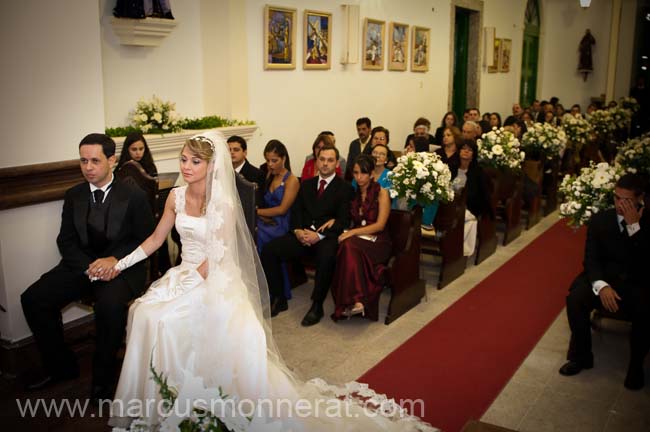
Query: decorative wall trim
{"points": [[33, 184], [147, 32]]}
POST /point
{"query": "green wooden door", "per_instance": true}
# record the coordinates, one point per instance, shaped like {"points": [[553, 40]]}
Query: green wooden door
{"points": [[461, 46], [527, 91]]}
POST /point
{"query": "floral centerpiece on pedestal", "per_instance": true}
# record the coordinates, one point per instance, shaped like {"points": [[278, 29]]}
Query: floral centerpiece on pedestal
{"points": [[577, 131], [629, 103], [634, 156], [602, 123], [543, 141], [500, 149], [421, 177], [156, 116], [621, 117], [588, 193]]}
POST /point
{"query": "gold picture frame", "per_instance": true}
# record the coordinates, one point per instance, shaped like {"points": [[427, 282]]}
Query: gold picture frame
{"points": [[279, 37], [420, 42], [497, 56], [373, 44], [505, 56], [398, 46], [317, 40]]}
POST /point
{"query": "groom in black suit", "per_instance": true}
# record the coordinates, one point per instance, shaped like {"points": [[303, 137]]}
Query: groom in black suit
{"points": [[103, 220], [615, 276], [320, 199]]}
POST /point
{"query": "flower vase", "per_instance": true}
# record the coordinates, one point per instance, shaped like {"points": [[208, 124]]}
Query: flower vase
{"points": [[401, 204]]}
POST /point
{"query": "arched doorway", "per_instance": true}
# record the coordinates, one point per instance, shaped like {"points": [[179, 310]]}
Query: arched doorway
{"points": [[530, 54]]}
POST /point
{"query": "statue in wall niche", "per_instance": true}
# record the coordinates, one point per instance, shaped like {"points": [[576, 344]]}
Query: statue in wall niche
{"points": [[585, 62], [141, 9]]}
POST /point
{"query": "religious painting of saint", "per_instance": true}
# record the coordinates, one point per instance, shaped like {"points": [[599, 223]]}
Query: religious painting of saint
{"points": [[373, 44], [420, 49], [497, 55], [504, 58], [398, 46], [279, 38], [317, 34]]}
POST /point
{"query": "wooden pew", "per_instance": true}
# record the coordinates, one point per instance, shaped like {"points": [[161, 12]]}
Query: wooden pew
{"points": [[486, 235], [509, 197], [534, 171], [550, 185], [449, 227]]}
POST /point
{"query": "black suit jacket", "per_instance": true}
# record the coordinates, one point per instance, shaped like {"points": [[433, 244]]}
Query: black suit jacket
{"points": [[612, 255], [129, 223], [254, 175], [310, 211]]}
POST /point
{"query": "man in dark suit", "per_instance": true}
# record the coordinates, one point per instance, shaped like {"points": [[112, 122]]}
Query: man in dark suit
{"points": [[320, 199], [238, 153], [358, 145], [103, 220], [615, 276]]}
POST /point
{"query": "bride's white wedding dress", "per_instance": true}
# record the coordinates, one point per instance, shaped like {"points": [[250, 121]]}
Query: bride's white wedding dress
{"points": [[208, 334]]}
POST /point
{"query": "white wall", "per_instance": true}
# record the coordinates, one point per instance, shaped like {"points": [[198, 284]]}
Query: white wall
{"points": [[563, 26], [624, 78]]}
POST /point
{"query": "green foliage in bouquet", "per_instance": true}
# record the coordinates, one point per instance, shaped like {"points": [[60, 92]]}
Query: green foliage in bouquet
{"points": [[543, 141], [210, 122], [421, 177], [634, 156], [500, 149]]}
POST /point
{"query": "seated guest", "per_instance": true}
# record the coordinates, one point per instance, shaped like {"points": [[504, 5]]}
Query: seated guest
{"points": [[379, 173], [358, 145], [363, 248], [471, 130], [449, 119], [495, 120], [238, 152], [342, 160], [103, 220], [320, 199], [615, 277], [280, 191], [549, 118], [421, 127], [527, 117], [135, 148], [516, 126], [381, 135], [449, 151], [471, 176], [310, 169]]}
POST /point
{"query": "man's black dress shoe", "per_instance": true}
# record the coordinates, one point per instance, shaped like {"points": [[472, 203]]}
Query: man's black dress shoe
{"points": [[571, 367], [42, 381], [634, 379], [313, 316], [279, 305]]}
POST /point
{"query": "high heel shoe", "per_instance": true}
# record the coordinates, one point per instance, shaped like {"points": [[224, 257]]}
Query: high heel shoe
{"points": [[356, 310]]}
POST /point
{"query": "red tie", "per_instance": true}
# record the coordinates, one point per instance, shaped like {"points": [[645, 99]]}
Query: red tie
{"points": [[321, 189]]}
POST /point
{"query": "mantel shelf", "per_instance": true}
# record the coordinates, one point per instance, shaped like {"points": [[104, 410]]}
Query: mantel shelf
{"points": [[148, 32]]}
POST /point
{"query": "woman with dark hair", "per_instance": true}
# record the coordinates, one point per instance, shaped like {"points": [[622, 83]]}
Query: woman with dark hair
{"points": [[280, 191], [381, 135], [135, 148], [421, 128], [495, 120], [310, 170], [448, 120], [516, 126], [364, 248], [471, 176], [449, 151]]}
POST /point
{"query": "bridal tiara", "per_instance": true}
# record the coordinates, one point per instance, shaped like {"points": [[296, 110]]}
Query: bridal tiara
{"points": [[205, 139]]}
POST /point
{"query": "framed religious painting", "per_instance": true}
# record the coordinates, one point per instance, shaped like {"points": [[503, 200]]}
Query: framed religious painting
{"points": [[504, 57], [420, 49], [279, 38], [317, 40], [398, 44], [497, 55], [373, 44]]}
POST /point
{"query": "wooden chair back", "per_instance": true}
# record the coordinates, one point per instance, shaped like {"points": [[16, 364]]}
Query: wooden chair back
{"points": [[247, 192]]}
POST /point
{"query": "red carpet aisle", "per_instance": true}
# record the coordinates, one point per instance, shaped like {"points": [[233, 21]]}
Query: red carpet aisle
{"points": [[459, 362]]}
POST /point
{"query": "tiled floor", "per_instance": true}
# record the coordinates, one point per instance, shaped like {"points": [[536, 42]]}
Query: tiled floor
{"points": [[537, 398]]}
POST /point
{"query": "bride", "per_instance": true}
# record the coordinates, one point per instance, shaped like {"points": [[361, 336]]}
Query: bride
{"points": [[205, 325]]}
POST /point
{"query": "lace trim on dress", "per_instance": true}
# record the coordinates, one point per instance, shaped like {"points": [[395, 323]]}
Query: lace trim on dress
{"points": [[179, 196]]}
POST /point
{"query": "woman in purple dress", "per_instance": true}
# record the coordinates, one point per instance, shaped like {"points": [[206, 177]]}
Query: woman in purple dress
{"points": [[364, 249], [281, 189]]}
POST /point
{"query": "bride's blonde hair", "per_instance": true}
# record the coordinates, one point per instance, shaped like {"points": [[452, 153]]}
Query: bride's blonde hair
{"points": [[201, 147]]}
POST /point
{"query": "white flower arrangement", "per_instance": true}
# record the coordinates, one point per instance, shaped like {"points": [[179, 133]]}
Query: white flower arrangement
{"points": [[602, 123], [156, 116], [634, 156], [500, 149], [544, 141], [621, 117], [421, 177], [577, 131], [588, 193], [629, 103]]}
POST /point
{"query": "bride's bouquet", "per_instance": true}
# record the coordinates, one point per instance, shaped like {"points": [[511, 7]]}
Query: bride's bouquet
{"points": [[634, 156], [421, 177], [543, 141], [500, 149], [588, 193]]}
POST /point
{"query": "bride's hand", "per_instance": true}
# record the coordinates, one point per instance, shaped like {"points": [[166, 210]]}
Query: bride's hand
{"points": [[203, 269]]}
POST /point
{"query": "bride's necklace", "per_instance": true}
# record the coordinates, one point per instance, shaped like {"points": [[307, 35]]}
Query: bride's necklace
{"points": [[197, 202]]}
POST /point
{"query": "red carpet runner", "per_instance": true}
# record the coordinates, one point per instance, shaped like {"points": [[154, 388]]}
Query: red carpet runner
{"points": [[459, 362]]}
